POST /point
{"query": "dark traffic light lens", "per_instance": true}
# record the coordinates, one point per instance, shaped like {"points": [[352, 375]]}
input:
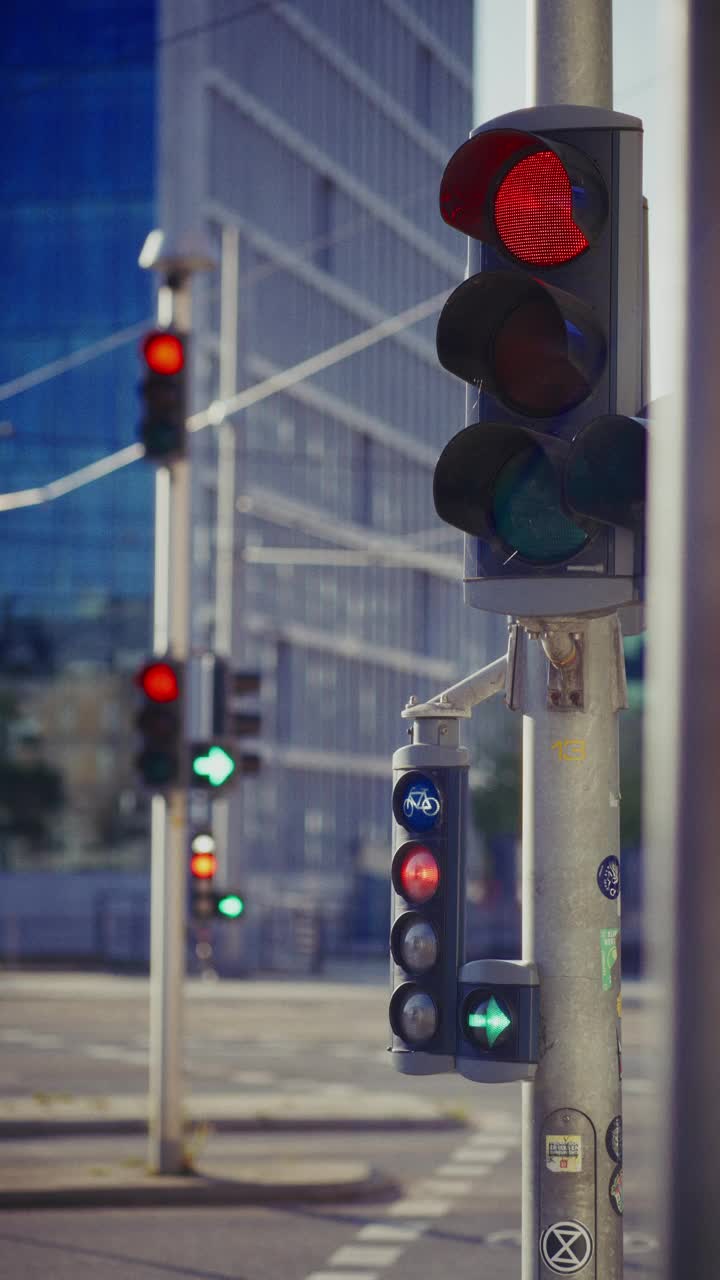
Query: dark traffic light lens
{"points": [[413, 1014], [414, 943], [534, 212], [540, 362], [528, 513]]}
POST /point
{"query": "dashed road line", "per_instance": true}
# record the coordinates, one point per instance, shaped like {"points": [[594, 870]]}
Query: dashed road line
{"points": [[380, 1244]]}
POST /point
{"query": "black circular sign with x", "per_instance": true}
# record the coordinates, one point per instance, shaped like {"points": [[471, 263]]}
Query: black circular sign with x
{"points": [[566, 1247]]}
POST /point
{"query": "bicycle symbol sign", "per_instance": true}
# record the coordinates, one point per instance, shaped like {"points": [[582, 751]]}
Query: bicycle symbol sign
{"points": [[419, 800]]}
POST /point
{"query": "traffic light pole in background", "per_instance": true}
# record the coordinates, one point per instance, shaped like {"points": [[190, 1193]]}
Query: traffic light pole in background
{"points": [[169, 821]]}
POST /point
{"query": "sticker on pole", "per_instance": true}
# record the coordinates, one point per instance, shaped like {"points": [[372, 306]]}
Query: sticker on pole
{"points": [[608, 877], [563, 1152], [615, 1190], [608, 956], [566, 1247], [613, 1139]]}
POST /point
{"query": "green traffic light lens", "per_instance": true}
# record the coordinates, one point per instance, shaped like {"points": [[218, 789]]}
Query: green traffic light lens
{"points": [[528, 514], [231, 906], [489, 1022]]}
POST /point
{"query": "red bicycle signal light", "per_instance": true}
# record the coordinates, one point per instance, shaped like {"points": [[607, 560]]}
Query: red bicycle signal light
{"points": [[159, 682], [203, 865], [533, 212], [417, 874], [164, 352]]}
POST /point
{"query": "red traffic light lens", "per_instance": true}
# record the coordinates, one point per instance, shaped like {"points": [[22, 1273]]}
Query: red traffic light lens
{"points": [[418, 874], [163, 352], [533, 212], [203, 865], [159, 682]]}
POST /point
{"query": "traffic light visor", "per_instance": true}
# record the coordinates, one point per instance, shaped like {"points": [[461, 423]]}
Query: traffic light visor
{"points": [[163, 352], [538, 349], [605, 474], [541, 202]]}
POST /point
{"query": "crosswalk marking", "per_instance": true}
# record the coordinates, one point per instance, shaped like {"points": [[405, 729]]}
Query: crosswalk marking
{"points": [[390, 1231], [368, 1255]]}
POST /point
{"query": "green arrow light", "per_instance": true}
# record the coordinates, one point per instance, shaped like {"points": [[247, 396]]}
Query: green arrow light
{"points": [[230, 905], [217, 766], [491, 1019]]}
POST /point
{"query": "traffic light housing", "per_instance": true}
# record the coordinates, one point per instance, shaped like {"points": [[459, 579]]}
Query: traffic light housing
{"points": [[163, 394], [160, 723], [427, 873], [207, 902], [498, 1024], [547, 480]]}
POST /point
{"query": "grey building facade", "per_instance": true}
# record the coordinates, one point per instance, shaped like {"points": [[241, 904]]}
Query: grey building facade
{"points": [[307, 139]]}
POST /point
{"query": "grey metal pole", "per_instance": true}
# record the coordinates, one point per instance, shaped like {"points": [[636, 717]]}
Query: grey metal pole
{"points": [[572, 1115], [682, 762], [171, 626], [570, 684], [570, 52]]}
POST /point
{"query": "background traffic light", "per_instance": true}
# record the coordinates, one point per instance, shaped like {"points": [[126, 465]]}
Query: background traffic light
{"points": [[159, 722], [163, 394], [548, 478], [207, 902], [426, 939]]}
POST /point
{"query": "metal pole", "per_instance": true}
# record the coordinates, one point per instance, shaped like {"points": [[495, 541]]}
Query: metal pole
{"points": [[169, 815], [682, 800], [226, 497], [571, 930], [572, 1116], [570, 52]]}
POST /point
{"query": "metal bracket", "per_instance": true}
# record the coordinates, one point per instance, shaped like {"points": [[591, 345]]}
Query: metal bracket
{"points": [[565, 682]]}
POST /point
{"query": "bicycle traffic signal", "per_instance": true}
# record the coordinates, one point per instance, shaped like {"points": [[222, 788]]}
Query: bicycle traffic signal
{"points": [[547, 480], [163, 394], [429, 816], [159, 721]]}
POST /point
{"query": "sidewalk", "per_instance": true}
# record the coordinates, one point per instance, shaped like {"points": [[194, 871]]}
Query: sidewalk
{"points": [[59, 1114]]}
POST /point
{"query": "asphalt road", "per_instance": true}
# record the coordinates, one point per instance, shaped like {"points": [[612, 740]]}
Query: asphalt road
{"points": [[88, 1034]]}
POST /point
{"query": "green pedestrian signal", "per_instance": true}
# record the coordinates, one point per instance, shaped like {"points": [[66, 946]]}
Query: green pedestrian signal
{"points": [[211, 765]]}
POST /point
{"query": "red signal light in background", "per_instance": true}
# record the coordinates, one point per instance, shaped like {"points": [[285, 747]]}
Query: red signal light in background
{"points": [[163, 352], [159, 682], [418, 874], [534, 212], [203, 862]]}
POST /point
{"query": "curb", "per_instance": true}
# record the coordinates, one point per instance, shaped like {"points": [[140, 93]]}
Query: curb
{"points": [[114, 1186]]}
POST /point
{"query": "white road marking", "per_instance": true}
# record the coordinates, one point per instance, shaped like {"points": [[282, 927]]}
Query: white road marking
{"points": [[252, 1077], [351, 1255], [35, 1039], [113, 1053], [464, 1170], [390, 1231], [342, 1275], [419, 1208], [491, 1155], [443, 1187]]}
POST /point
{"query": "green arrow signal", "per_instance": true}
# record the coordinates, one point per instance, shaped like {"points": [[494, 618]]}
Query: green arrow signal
{"points": [[491, 1019], [217, 766]]}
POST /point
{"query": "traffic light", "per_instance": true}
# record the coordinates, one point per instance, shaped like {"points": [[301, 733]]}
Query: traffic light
{"points": [[235, 721], [159, 721], [163, 394], [426, 938], [547, 480], [206, 902], [498, 1020]]}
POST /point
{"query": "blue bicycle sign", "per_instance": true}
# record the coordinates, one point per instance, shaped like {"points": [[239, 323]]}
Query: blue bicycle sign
{"points": [[417, 802]]}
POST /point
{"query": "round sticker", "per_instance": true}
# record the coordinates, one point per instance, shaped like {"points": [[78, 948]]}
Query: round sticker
{"points": [[608, 877], [416, 802], [613, 1139], [566, 1247], [616, 1191]]}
